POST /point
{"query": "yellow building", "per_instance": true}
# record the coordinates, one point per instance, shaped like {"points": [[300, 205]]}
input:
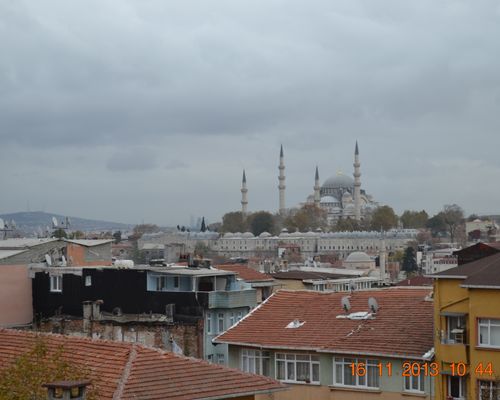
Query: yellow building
{"points": [[467, 330]]}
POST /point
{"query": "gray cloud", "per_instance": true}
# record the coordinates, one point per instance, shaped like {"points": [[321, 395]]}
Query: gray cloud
{"points": [[132, 160], [184, 95]]}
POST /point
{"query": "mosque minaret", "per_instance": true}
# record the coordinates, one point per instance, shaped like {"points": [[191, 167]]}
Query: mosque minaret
{"points": [[281, 179], [244, 198], [357, 184], [317, 195]]}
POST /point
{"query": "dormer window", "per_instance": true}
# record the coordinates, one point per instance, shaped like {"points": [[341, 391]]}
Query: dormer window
{"points": [[295, 324]]}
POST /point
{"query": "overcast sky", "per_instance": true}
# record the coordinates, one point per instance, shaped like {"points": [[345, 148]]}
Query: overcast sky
{"points": [[149, 110]]}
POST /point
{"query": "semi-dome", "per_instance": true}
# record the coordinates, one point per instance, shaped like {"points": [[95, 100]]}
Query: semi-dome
{"points": [[248, 235], [358, 256], [265, 234], [338, 181]]}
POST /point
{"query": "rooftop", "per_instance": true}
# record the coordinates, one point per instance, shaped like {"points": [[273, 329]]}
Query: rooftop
{"points": [[9, 253], [88, 242], [482, 273], [246, 273], [301, 275], [416, 281], [132, 371], [403, 313], [23, 243]]}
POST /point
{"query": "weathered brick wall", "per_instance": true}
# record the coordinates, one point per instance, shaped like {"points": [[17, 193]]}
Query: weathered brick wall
{"points": [[188, 336]]}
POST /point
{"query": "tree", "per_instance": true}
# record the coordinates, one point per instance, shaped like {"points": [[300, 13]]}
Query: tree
{"points": [[233, 222], [384, 218], [347, 225], [203, 227], [24, 378], [261, 221], [201, 249], [409, 260], [453, 216], [60, 233], [117, 236], [77, 235], [141, 229], [307, 217], [414, 219], [436, 225]]}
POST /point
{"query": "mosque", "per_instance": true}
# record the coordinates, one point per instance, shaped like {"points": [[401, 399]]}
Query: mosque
{"points": [[340, 195]]}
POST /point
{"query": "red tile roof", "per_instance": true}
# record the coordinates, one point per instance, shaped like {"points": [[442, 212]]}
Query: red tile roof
{"points": [[416, 281], [402, 327], [246, 273], [132, 371]]}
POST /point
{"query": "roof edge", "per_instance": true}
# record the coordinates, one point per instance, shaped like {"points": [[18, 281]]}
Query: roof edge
{"points": [[329, 351], [263, 391], [481, 286]]}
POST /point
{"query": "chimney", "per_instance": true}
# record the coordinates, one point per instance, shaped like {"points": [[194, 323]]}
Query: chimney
{"points": [[169, 312], [87, 316], [96, 310], [67, 390]]}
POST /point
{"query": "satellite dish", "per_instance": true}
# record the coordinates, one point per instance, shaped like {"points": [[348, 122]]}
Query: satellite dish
{"points": [[54, 222], [2, 225], [346, 304], [48, 260], [373, 304]]}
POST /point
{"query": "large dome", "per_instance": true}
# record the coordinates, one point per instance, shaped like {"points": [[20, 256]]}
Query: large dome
{"points": [[358, 256], [338, 181]]}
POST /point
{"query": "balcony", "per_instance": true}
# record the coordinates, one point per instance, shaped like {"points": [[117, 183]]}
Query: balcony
{"points": [[453, 352], [232, 299]]}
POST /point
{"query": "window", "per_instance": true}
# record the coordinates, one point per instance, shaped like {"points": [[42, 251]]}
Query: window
{"points": [[210, 358], [209, 322], [345, 377], [56, 283], [415, 383], [88, 280], [489, 332], [297, 368], [489, 390], [456, 387], [220, 322], [176, 282], [455, 329], [160, 283], [220, 359], [231, 319], [239, 316], [255, 361]]}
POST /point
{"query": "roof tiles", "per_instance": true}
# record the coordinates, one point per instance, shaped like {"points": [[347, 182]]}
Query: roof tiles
{"points": [[132, 371], [402, 327]]}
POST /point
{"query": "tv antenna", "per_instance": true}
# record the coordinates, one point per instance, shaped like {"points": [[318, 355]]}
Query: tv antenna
{"points": [[346, 304], [64, 224], [373, 304], [48, 260], [6, 226]]}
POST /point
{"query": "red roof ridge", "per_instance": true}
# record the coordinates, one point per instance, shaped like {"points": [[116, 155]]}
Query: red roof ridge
{"points": [[120, 387]]}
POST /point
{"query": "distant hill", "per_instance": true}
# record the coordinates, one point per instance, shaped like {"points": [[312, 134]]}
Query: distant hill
{"points": [[28, 222]]}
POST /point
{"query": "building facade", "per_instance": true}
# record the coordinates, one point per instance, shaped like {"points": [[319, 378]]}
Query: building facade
{"points": [[467, 330], [333, 346]]}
